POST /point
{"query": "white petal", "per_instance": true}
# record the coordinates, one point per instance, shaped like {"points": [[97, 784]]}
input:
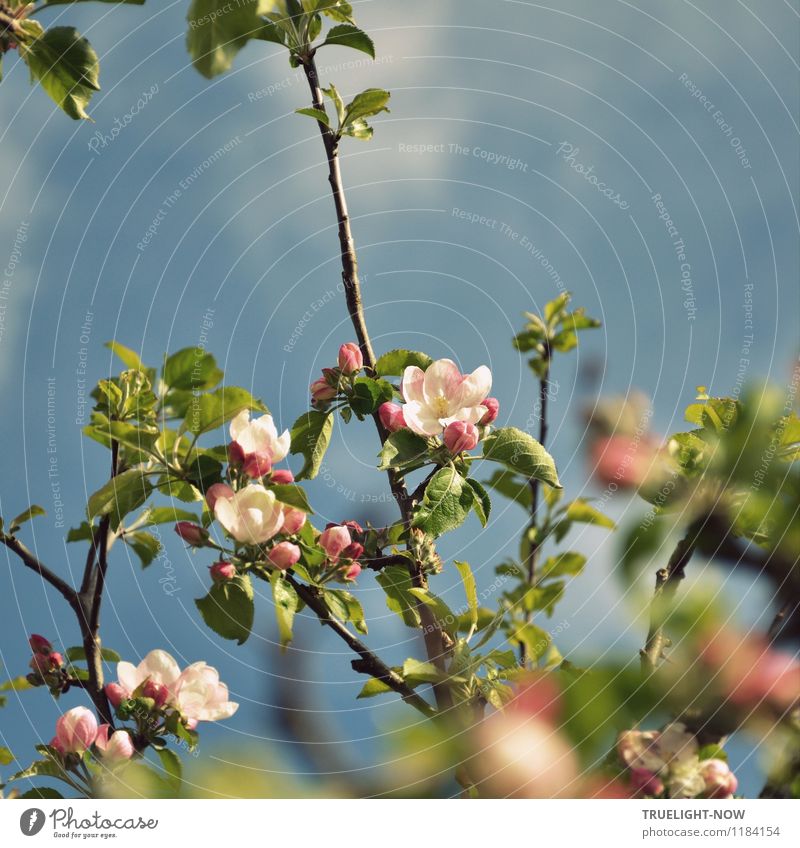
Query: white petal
{"points": [[161, 667], [411, 385], [442, 380], [282, 445], [420, 419], [128, 676], [476, 386], [239, 424]]}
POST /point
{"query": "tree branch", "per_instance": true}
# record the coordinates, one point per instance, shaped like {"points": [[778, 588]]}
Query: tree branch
{"points": [[434, 643], [369, 663], [32, 562]]}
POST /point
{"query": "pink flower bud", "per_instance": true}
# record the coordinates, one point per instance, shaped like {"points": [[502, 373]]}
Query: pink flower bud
{"points": [[54, 743], [39, 645], [76, 730], [353, 526], [646, 782], [334, 540], [350, 358], [116, 694], [256, 465], [460, 436], [492, 409], [281, 476], [56, 660], [235, 453], [192, 534], [293, 520], [321, 392], [114, 748], [284, 555], [720, 781], [352, 572], [217, 491], [157, 691], [391, 415], [222, 571], [353, 551]]}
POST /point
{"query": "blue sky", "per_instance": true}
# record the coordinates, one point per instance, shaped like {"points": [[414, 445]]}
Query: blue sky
{"points": [[212, 201]]}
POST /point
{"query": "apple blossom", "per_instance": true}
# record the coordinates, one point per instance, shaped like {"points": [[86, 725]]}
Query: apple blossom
{"points": [[116, 747], [720, 781], [284, 555], [259, 436], [221, 571], [252, 515], [391, 415], [158, 692], [192, 534], [257, 465], [46, 663], [321, 391], [76, 730], [353, 526], [281, 476], [353, 551], [116, 694], [235, 454], [158, 666], [460, 436], [352, 572], [492, 410], [39, 645], [218, 490], [442, 394], [333, 540], [293, 520], [350, 358], [200, 696]]}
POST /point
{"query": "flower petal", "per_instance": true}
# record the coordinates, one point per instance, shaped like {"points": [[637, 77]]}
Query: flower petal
{"points": [[421, 420], [442, 380], [476, 386], [411, 385], [282, 445], [239, 424]]}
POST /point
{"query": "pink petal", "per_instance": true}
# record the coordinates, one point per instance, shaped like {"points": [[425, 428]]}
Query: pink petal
{"points": [[412, 383], [443, 379], [476, 386]]}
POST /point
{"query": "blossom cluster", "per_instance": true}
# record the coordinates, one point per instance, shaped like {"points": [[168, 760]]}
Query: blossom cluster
{"points": [[667, 763]]}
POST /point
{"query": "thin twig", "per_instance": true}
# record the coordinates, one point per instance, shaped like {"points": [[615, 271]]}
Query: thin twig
{"points": [[32, 562]]}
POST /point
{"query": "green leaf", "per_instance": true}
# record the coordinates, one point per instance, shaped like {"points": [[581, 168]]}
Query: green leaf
{"points": [[712, 752], [395, 362], [369, 394], [583, 512], [6, 757], [535, 639], [521, 453], [129, 357], [291, 495], [191, 369], [16, 684], [316, 114], [311, 434], [66, 66], [346, 35], [416, 671], [333, 93], [139, 439], [482, 504], [40, 768], [228, 608], [508, 484], [220, 406], [402, 450], [30, 512], [445, 617], [396, 583], [447, 501], [173, 770], [369, 102], [144, 545], [286, 603], [168, 515], [373, 687], [119, 496], [569, 563], [218, 29], [346, 607], [78, 653], [82, 533], [470, 590], [45, 792]]}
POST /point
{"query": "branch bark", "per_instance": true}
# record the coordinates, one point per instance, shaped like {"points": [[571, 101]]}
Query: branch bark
{"points": [[434, 644]]}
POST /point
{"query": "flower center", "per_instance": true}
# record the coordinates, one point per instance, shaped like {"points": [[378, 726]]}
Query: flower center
{"points": [[441, 406]]}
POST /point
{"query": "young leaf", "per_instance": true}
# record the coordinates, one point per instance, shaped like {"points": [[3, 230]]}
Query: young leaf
{"points": [[346, 35], [168, 515], [218, 407], [535, 639], [79, 653], [416, 671], [65, 65], [481, 503], [395, 362], [129, 357], [6, 757], [569, 563], [293, 496], [228, 608], [286, 602], [445, 618], [584, 513], [316, 114], [471, 591], [370, 102], [369, 394], [402, 450], [119, 496], [513, 487], [521, 453], [373, 687], [447, 501], [186, 370], [346, 607], [396, 583], [218, 29], [144, 545], [173, 771], [31, 512], [311, 434]]}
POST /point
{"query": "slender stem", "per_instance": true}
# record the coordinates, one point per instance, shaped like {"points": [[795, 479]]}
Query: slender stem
{"points": [[369, 663], [32, 562], [432, 633], [667, 581], [781, 615], [535, 545]]}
